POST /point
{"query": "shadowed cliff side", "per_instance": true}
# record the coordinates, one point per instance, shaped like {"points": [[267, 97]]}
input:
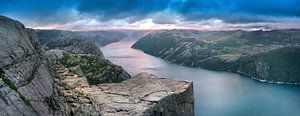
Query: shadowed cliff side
{"points": [[26, 84]]}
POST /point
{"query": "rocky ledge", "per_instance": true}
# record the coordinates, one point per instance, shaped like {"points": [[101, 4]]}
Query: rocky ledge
{"points": [[142, 95], [146, 95]]}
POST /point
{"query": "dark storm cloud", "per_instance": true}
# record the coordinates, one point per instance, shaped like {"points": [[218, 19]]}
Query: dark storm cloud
{"points": [[228, 10], [238, 10], [111, 9], [231, 11]]}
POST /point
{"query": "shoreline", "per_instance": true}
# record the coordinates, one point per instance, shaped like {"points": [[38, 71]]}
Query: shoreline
{"points": [[254, 78]]}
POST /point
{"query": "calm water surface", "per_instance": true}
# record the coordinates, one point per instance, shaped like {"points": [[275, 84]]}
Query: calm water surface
{"points": [[216, 93]]}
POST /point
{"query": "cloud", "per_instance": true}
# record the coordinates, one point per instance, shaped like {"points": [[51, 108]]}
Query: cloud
{"points": [[74, 14], [236, 11], [118, 9]]}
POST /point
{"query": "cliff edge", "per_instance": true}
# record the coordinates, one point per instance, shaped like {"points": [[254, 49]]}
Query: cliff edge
{"points": [[76, 81]]}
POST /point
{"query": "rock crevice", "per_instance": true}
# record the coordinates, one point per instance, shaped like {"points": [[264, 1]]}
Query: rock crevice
{"points": [[25, 74]]}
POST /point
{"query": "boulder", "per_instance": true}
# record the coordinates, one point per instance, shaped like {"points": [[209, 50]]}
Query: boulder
{"points": [[77, 70]]}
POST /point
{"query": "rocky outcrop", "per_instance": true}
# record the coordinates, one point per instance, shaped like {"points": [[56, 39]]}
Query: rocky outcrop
{"points": [[26, 80], [268, 56], [73, 52], [142, 95], [83, 47], [151, 96], [59, 82], [96, 69]]}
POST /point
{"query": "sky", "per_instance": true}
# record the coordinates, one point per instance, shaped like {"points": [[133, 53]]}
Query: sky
{"points": [[86, 15]]}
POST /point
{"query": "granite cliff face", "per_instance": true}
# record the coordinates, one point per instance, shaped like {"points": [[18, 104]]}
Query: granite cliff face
{"points": [[26, 80], [74, 80], [269, 56]]}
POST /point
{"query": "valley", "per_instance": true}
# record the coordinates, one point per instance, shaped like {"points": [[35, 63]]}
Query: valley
{"points": [[267, 56]]}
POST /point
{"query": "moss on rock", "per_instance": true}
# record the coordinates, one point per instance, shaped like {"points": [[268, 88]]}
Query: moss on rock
{"points": [[7, 81], [96, 69]]}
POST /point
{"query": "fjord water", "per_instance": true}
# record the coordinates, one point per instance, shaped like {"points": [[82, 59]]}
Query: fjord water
{"points": [[216, 93]]}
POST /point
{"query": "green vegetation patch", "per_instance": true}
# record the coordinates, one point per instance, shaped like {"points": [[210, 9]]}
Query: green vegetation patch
{"points": [[95, 69], [12, 86], [284, 63], [7, 81], [26, 101], [226, 50]]}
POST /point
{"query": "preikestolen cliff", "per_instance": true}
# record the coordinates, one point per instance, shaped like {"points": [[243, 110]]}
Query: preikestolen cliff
{"points": [[150, 58]]}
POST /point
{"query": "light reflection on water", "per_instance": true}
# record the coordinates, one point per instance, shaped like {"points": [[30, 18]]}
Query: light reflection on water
{"points": [[216, 93]]}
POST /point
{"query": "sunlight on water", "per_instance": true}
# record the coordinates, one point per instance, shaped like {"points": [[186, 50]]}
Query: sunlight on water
{"points": [[216, 93]]}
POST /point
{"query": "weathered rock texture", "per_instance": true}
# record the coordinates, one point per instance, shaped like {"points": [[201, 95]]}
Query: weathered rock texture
{"points": [[142, 95], [26, 81], [146, 95], [77, 76]]}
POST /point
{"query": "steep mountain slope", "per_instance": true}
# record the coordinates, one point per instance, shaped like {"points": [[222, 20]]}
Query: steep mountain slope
{"points": [[66, 40], [264, 55], [26, 84]]}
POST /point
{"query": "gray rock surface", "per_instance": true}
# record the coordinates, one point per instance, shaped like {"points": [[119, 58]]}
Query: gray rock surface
{"points": [[151, 96], [26, 80], [55, 54], [142, 95], [77, 70], [84, 47]]}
